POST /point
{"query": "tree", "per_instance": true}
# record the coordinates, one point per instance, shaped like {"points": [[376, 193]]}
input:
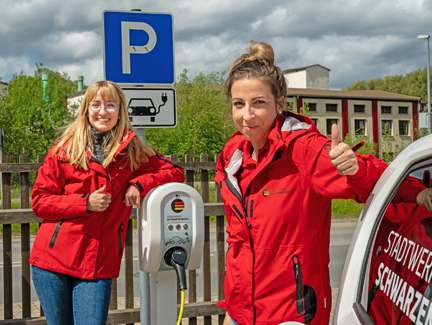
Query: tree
{"points": [[412, 84], [31, 122], [204, 122]]}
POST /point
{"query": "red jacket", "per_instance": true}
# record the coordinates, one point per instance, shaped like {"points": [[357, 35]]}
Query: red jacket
{"points": [[278, 212], [84, 244], [399, 268]]}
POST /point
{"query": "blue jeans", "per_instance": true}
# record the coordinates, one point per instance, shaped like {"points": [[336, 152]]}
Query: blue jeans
{"points": [[69, 300], [233, 322]]}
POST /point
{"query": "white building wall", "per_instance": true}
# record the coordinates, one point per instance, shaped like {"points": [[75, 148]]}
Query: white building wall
{"points": [[317, 78], [74, 104], [397, 141], [321, 115], [3, 88], [297, 79], [367, 116]]}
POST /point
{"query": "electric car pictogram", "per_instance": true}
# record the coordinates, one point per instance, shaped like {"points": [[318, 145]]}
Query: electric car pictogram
{"points": [[145, 107]]}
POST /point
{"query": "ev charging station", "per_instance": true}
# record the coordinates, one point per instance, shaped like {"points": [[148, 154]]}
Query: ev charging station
{"points": [[171, 239], [139, 51]]}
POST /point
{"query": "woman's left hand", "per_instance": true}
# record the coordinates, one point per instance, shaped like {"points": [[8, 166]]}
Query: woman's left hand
{"points": [[132, 197], [424, 199], [341, 155]]}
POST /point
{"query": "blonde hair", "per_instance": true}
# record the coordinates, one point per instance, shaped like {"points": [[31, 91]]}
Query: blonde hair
{"points": [[77, 135], [257, 63]]}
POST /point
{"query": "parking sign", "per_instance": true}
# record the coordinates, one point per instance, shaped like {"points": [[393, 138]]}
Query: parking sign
{"points": [[138, 47]]}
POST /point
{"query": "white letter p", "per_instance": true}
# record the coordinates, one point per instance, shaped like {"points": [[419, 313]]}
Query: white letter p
{"points": [[127, 49]]}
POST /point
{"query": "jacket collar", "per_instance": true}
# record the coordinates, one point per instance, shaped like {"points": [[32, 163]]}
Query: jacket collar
{"points": [[286, 127], [128, 135]]}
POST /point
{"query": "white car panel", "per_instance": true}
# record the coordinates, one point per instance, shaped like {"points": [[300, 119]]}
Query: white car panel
{"points": [[418, 154]]}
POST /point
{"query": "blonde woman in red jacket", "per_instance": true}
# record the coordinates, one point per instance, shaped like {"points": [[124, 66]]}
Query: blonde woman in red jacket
{"points": [[277, 176], [97, 170]]}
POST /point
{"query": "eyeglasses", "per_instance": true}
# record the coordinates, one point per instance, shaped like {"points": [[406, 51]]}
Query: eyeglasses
{"points": [[109, 106]]}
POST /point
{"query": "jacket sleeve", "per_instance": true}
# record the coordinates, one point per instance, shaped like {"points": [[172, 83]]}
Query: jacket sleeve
{"points": [[157, 171], [408, 191], [311, 154], [48, 202]]}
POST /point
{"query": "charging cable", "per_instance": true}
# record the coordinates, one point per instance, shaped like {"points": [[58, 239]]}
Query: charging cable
{"points": [[164, 99], [178, 259], [181, 307]]}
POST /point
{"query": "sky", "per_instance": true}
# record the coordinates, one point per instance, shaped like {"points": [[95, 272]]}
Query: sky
{"points": [[355, 39]]}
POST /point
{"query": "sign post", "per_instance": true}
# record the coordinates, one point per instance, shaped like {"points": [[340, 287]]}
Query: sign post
{"points": [[139, 51]]}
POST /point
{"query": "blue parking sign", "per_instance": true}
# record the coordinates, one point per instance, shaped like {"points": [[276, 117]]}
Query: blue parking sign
{"points": [[138, 47]]}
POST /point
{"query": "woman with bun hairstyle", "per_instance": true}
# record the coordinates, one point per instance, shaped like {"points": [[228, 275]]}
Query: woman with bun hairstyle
{"points": [[84, 192], [278, 175]]}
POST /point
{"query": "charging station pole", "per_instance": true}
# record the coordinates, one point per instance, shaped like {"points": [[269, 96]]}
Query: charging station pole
{"points": [[170, 224], [144, 278], [148, 65]]}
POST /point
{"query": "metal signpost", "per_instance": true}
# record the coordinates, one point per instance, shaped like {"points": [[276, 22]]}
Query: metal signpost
{"points": [[139, 51]]}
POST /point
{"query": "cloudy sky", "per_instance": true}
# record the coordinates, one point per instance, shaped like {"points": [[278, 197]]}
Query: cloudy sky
{"points": [[355, 39]]}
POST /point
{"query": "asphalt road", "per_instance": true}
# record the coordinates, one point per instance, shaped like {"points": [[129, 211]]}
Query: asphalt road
{"points": [[340, 239]]}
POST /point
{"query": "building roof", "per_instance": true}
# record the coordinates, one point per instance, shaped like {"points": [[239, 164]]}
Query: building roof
{"points": [[78, 93], [304, 68], [349, 94]]}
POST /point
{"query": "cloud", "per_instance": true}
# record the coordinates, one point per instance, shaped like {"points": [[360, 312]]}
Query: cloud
{"points": [[357, 39]]}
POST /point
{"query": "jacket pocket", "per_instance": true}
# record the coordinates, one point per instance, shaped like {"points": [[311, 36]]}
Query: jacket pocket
{"points": [[237, 211], [226, 254], [55, 234], [306, 300], [120, 230], [299, 284]]}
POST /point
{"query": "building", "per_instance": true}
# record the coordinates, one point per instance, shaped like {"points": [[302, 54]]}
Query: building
{"points": [[75, 100], [3, 87], [314, 76], [370, 113]]}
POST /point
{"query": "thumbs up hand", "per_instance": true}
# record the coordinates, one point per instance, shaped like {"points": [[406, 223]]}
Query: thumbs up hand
{"points": [[341, 155], [98, 201]]}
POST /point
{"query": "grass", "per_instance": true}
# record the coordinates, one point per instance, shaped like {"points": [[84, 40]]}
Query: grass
{"points": [[346, 209], [16, 193], [340, 209]]}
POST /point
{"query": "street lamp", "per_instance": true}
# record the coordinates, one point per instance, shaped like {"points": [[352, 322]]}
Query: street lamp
{"points": [[428, 83]]}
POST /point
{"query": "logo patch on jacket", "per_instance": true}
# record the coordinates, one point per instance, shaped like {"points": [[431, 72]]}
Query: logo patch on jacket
{"points": [[123, 167], [277, 191]]}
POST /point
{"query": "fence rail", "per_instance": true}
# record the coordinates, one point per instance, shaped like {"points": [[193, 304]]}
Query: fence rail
{"points": [[24, 216]]}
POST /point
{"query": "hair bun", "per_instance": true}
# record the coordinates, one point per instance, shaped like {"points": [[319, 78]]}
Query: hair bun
{"points": [[257, 62], [259, 51]]}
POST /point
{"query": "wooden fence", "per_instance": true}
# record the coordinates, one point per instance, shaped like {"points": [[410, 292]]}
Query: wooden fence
{"points": [[24, 216]]}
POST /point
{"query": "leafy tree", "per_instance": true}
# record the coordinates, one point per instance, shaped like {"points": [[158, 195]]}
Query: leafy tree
{"points": [[204, 121], [30, 120], [412, 84]]}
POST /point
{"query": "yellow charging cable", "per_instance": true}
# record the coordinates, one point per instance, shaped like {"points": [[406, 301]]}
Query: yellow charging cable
{"points": [[181, 307]]}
